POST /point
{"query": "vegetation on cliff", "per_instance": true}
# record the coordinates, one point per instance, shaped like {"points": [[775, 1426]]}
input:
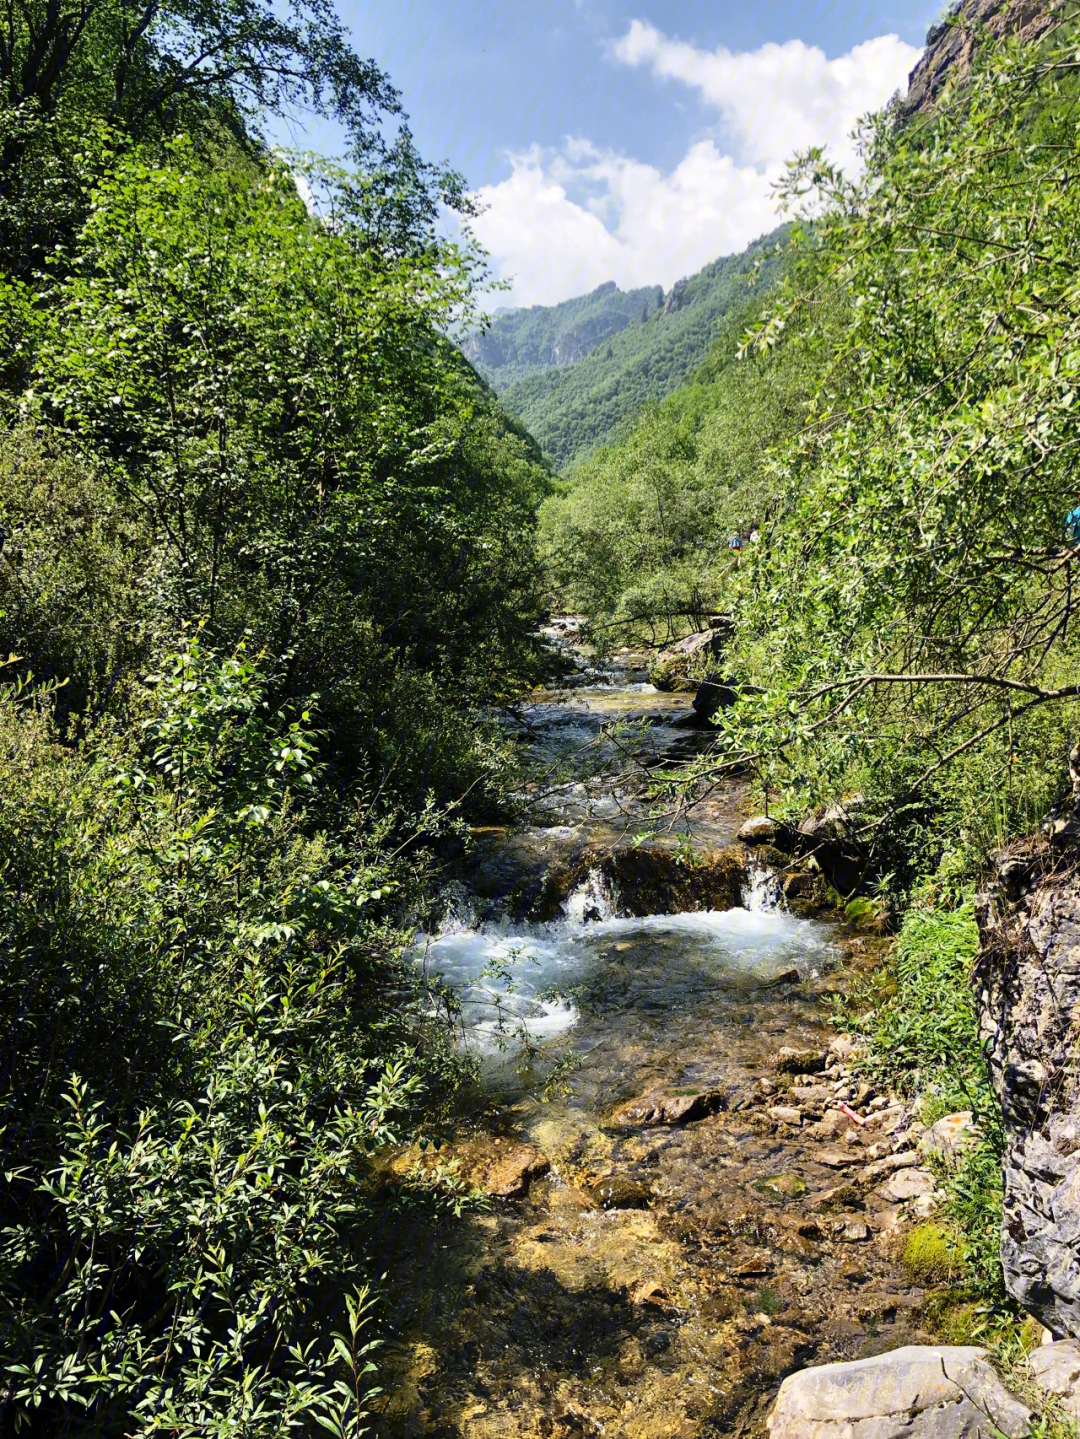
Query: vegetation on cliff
{"points": [[573, 409]]}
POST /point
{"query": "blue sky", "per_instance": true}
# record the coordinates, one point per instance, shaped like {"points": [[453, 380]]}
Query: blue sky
{"points": [[630, 139]]}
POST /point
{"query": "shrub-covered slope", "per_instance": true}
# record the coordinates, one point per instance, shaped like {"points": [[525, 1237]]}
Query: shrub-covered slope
{"points": [[573, 408]]}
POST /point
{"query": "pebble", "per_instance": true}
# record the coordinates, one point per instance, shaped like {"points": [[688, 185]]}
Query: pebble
{"points": [[784, 1114]]}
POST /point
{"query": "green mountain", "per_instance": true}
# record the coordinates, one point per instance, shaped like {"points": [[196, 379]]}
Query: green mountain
{"points": [[520, 342], [575, 372]]}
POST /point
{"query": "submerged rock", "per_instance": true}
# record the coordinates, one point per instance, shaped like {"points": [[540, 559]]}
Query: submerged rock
{"points": [[621, 1191], [926, 1392], [1027, 981], [658, 1108], [500, 1168]]}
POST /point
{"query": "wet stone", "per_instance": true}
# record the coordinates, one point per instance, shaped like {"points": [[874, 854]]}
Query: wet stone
{"points": [[656, 1109], [621, 1191], [790, 1060], [786, 1186]]}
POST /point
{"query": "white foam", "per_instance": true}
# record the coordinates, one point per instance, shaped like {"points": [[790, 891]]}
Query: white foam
{"points": [[505, 974]]}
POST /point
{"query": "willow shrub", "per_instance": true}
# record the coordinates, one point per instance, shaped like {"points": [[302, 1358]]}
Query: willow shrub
{"points": [[207, 1028], [906, 627]]}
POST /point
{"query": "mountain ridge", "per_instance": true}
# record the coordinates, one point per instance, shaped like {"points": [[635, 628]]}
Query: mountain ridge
{"points": [[573, 373]]}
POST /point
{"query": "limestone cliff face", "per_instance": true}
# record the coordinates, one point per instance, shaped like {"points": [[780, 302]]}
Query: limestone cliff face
{"points": [[1027, 983], [951, 45]]}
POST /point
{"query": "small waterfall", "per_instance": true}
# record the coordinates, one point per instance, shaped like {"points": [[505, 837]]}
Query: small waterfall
{"points": [[761, 893], [591, 902]]}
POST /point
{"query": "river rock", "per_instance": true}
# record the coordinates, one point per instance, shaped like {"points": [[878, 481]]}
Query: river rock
{"points": [[1056, 1368], [714, 693], [658, 1108], [672, 665], [652, 880], [785, 1114], [760, 830], [918, 1392], [854, 1231], [888, 1164], [837, 1158], [621, 1191], [908, 1184], [790, 1060], [1027, 983], [950, 1137]]}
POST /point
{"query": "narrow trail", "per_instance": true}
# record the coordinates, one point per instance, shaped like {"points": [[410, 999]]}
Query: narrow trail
{"points": [[687, 1225]]}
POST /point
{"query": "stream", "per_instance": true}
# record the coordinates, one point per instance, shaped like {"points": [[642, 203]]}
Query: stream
{"points": [[667, 1250]]}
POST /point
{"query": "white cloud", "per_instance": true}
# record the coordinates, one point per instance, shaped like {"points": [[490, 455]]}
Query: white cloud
{"points": [[664, 226], [781, 98], [567, 220]]}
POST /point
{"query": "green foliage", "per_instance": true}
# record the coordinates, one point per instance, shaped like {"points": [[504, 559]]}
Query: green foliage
{"points": [[76, 574], [906, 627], [77, 79], [517, 343], [925, 1037], [307, 461], [574, 409], [639, 540], [206, 1032], [266, 560], [924, 1041]]}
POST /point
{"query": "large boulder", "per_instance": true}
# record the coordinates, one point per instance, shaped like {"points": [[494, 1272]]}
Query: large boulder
{"points": [[673, 666], [1027, 984], [918, 1392]]}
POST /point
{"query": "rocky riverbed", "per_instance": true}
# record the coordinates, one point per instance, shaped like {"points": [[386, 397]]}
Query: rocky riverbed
{"points": [[706, 1200]]}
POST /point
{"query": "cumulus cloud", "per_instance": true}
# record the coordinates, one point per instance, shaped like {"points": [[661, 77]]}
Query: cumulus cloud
{"points": [[567, 220], [781, 98]]}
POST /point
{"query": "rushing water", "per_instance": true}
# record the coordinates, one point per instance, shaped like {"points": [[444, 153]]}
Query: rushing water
{"points": [[593, 971], [529, 1322]]}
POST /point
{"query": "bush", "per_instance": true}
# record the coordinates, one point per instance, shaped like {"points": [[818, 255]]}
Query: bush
{"points": [[207, 1029]]}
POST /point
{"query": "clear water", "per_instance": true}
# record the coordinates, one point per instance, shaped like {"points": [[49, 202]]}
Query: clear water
{"points": [[593, 974]]}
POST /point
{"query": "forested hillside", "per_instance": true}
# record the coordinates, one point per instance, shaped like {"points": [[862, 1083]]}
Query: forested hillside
{"points": [[897, 422], [519, 342], [573, 408], [267, 546]]}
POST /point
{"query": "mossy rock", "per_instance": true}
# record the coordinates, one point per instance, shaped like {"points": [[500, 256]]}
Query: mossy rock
{"points": [[656, 881], [932, 1254]]}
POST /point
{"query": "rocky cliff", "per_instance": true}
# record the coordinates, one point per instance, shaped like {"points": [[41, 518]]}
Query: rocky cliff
{"points": [[1027, 982], [951, 44]]}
